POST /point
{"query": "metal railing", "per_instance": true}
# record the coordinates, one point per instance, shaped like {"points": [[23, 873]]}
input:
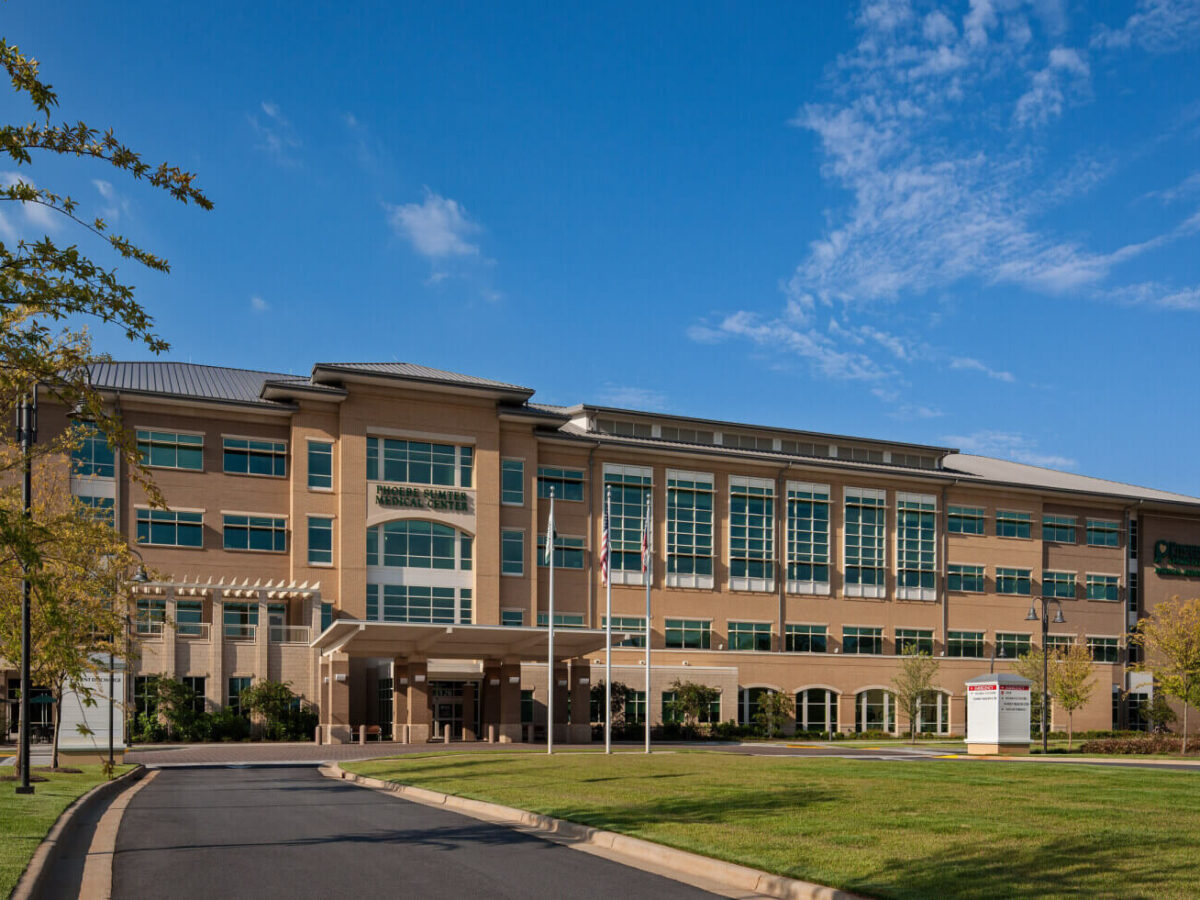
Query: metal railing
{"points": [[194, 631], [149, 629], [289, 634], [240, 632]]}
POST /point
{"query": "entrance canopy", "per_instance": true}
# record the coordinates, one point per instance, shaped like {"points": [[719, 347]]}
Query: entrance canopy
{"points": [[406, 639]]}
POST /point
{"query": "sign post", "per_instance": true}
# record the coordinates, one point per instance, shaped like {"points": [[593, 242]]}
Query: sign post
{"points": [[998, 714]]}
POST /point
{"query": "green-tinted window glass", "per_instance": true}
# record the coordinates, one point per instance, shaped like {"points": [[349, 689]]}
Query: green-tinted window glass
{"points": [[262, 533], [808, 533], [320, 540], [1103, 587], [964, 520], [567, 483], [320, 465], [964, 644], [751, 528], [689, 524], [246, 456], [1059, 529], [512, 552], [749, 636], [690, 634], [911, 641], [170, 450], [512, 618], [1059, 584], [806, 638], [1103, 533], [568, 552], [512, 482], [1013, 581], [964, 578], [92, 456], [1010, 523], [862, 640], [168, 528]]}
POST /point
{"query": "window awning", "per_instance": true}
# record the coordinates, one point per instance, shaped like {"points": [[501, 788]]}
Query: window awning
{"points": [[421, 641]]}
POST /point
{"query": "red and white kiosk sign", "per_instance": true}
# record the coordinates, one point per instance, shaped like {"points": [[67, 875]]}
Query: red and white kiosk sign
{"points": [[998, 709]]}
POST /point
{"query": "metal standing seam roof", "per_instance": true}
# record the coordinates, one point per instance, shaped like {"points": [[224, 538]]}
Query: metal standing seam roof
{"points": [[187, 380], [424, 373]]}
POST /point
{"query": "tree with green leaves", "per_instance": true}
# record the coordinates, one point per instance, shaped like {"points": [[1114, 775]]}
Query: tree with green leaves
{"points": [[620, 695], [912, 682], [1170, 636], [1158, 712], [774, 709], [691, 701], [1029, 665], [1071, 682]]}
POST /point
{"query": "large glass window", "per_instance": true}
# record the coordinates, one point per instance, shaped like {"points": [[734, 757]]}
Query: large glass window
{"points": [[816, 710], [512, 552], [189, 618], [933, 716], [749, 700], [806, 638], [1014, 581], [965, 644], [1103, 587], [857, 639], [239, 620], [808, 537], [237, 685], [1059, 529], [151, 615], [1059, 584], [689, 634], [416, 544], [689, 527], [418, 462], [561, 620], [1059, 643], [418, 603], [1010, 645], [263, 533], [246, 456], [751, 529], [750, 636], [320, 540], [567, 483], [512, 482], [916, 542], [171, 450], [1104, 649], [1103, 533], [168, 528], [671, 716], [512, 618], [875, 710], [964, 578], [102, 509], [964, 519], [633, 626], [568, 552], [92, 456], [910, 641], [630, 487], [320, 465], [865, 558], [1013, 524]]}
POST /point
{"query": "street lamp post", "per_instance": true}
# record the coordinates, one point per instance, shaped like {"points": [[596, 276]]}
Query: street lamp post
{"points": [[1058, 620], [26, 436], [139, 577]]}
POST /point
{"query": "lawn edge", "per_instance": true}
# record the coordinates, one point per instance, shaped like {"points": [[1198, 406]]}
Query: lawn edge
{"points": [[729, 875], [46, 855]]}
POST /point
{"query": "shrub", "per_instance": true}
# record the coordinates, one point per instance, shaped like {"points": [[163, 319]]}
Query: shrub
{"points": [[147, 729], [227, 725], [1141, 745]]}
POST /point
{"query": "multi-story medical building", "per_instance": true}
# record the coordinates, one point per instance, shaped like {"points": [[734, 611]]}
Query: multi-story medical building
{"points": [[374, 534]]}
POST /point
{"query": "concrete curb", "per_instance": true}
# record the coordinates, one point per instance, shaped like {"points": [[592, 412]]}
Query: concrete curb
{"points": [[659, 857], [33, 879]]}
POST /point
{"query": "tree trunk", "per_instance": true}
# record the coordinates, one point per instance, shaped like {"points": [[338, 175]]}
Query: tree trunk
{"points": [[1183, 750], [1070, 730], [55, 716]]}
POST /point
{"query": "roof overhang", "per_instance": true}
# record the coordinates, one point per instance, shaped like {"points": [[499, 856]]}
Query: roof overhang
{"points": [[329, 374], [487, 642]]}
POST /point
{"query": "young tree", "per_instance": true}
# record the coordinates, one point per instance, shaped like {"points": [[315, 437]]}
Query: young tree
{"points": [[1158, 712], [1071, 682], [1171, 638], [911, 683], [77, 610], [774, 708], [620, 694], [1029, 665], [692, 701]]}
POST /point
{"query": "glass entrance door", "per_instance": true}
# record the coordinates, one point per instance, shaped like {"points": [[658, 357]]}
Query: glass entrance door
{"points": [[447, 708]]}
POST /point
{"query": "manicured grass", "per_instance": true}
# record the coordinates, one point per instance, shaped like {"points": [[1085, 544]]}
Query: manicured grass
{"points": [[888, 829], [25, 820]]}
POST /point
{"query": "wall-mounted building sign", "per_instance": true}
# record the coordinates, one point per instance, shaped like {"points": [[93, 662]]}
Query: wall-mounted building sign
{"points": [[1171, 558], [420, 498]]}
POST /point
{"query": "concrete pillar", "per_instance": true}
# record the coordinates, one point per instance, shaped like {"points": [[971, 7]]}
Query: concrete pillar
{"points": [[169, 635], [339, 700], [489, 696], [420, 714], [215, 686], [262, 637], [446, 733], [400, 700], [510, 703], [469, 692], [560, 683], [580, 729]]}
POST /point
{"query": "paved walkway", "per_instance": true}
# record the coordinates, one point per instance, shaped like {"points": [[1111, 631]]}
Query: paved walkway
{"points": [[289, 832]]}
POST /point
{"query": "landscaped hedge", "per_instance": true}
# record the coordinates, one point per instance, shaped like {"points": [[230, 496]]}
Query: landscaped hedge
{"points": [[1143, 744]]}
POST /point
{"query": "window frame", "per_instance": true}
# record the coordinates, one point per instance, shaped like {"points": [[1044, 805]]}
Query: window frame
{"points": [[920, 560], [979, 571], [275, 455], [682, 544], [1059, 529], [753, 631], [509, 536], [150, 518], [872, 633], [507, 464], [701, 627], [857, 560], [146, 455], [803, 545], [1019, 519], [963, 514], [1093, 526], [312, 518], [1057, 587], [549, 480], [310, 444], [793, 633], [1091, 579], [1005, 573], [279, 525]]}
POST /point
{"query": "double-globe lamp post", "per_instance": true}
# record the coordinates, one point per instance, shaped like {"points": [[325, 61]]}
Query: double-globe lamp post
{"points": [[1058, 620]]}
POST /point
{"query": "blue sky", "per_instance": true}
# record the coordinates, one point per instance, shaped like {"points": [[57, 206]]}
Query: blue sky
{"points": [[974, 224]]}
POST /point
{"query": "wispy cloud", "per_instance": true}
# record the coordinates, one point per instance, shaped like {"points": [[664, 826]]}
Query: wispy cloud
{"points": [[116, 205], [973, 365], [1008, 445], [258, 304], [631, 397], [34, 216], [1158, 26], [1185, 188], [276, 136], [438, 228]]}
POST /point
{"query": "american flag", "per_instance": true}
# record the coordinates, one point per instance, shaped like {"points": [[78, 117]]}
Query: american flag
{"points": [[604, 542], [646, 539]]}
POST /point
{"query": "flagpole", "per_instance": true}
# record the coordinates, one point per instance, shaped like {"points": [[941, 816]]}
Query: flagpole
{"points": [[649, 567], [608, 628], [550, 680]]}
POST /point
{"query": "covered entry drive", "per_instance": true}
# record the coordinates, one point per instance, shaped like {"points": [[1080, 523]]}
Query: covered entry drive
{"points": [[411, 682]]}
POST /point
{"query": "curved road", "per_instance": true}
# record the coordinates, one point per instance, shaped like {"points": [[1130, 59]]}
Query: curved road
{"points": [[290, 832]]}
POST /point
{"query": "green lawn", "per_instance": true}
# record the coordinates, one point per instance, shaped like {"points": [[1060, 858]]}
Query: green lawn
{"points": [[887, 829], [25, 820]]}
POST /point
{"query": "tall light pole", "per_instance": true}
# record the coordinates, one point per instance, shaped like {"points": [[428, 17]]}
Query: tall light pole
{"points": [[1058, 620], [26, 437]]}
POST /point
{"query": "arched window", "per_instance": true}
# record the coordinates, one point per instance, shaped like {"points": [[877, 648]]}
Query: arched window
{"points": [[934, 716], [816, 710], [748, 699], [875, 710], [416, 544]]}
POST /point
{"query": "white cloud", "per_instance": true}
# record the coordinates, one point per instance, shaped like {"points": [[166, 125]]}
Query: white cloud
{"points": [[37, 216], [1158, 26], [276, 136], [630, 397], [974, 365], [1155, 293], [1188, 186], [437, 227], [258, 304], [115, 204], [1066, 71], [1008, 445]]}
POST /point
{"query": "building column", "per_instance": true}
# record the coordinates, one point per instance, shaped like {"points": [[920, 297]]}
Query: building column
{"points": [[489, 700], [262, 638], [338, 717], [420, 714], [216, 637], [400, 700], [580, 729], [169, 635], [470, 696], [510, 703]]}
